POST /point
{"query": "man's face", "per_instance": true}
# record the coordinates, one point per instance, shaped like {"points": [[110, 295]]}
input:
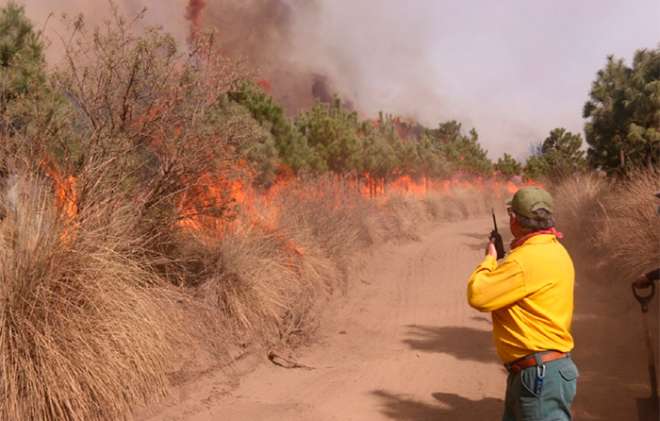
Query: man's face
{"points": [[514, 225]]}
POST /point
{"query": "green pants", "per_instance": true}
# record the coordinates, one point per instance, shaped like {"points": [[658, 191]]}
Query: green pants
{"points": [[530, 399]]}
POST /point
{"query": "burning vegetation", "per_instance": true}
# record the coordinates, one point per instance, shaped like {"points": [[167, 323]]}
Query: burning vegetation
{"points": [[194, 204], [178, 204]]}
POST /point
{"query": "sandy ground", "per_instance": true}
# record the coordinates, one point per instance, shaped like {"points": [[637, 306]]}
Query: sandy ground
{"points": [[404, 345]]}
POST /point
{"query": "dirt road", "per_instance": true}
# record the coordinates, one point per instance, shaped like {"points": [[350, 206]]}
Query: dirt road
{"points": [[404, 345]]}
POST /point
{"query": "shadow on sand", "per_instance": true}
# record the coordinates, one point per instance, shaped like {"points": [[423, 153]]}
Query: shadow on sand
{"points": [[464, 343], [449, 407]]}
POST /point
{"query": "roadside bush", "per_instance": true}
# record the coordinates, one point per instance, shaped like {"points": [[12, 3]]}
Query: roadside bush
{"points": [[334, 212], [615, 220], [87, 330], [580, 209], [632, 234], [285, 253]]}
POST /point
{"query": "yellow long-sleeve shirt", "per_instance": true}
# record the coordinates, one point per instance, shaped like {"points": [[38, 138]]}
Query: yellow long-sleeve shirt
{"points": [[530, 296]]}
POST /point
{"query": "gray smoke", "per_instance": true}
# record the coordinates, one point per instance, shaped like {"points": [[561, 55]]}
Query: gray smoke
{"points": [[514, 70]]}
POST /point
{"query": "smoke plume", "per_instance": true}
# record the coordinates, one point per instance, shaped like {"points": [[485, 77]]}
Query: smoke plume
{"points": [[373, 56], [496, 66], [194, 15], [262, 33]]}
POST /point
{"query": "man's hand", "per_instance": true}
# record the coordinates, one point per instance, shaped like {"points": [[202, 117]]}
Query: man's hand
{"points": [[490, 250]]}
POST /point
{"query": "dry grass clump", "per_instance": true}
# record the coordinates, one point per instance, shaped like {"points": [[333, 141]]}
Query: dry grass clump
{"points": [[580, 207], [85, 328], [631, 233], [616, 219], [462, 203], [264, 285], [335, 214], [268, 272], [403, 216]]}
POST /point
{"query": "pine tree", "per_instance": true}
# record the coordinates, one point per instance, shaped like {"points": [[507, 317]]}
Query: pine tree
{"points": [[22, 63], [21, 54], [563, 152], [291, 145], [508, 167], [463, 152], [332, 131], [558, 156], [623, 112]]}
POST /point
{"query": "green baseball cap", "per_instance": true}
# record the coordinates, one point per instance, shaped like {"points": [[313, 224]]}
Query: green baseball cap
{"points": [[529, 199]]}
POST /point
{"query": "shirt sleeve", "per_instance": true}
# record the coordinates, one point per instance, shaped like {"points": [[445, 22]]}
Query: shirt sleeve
{"points": [[492, 286]]}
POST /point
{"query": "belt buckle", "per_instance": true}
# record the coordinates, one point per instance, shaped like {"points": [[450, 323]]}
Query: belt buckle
{"points": [[514, 367]]}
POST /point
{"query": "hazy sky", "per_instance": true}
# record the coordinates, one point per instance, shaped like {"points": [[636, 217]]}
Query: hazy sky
{"points": [[512, 69]]}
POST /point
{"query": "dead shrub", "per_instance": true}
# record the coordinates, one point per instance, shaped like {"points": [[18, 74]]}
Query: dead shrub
{"points": [[152, 114]]}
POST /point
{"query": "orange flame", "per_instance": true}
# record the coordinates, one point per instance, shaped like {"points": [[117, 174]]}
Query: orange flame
{"points": [[66, 198], [65, 189], [250, 208]]}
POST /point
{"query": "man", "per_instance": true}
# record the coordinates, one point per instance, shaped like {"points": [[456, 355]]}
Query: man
{"points": [[530, 296]]}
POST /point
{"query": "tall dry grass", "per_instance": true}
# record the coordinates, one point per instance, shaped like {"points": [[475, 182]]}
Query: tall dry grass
{"points": [[580, 207], [335, 215], [464, 202], [615, 220], [86, 329], [267, 287], [632, 234], [269, 270]]}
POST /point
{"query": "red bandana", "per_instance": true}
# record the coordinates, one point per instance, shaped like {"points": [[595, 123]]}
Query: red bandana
{"points": [[517, 242]]}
